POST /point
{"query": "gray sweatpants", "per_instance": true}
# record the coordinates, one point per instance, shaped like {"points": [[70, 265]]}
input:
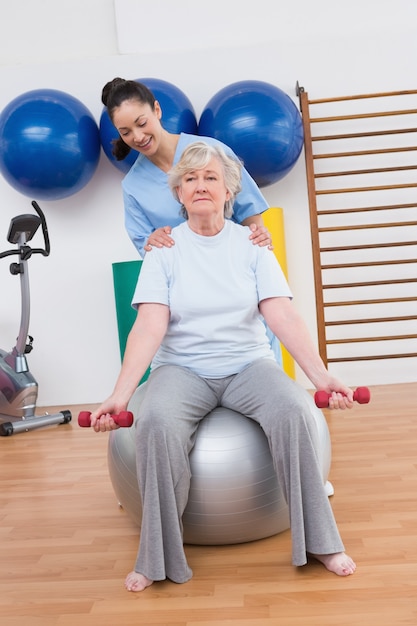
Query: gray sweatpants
{"points": [[176, 400]]}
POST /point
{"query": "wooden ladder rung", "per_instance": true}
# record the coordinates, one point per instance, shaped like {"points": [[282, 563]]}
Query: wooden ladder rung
{"points": [[374, 357], [337, 266], [376, 170], [366, 209], [323, 192], [370, 339], [365, 133], [347, 227], [362, 116], [370, 283], [370, 301], [369, 246], [372, 320], [363, 96], [335, 155]]}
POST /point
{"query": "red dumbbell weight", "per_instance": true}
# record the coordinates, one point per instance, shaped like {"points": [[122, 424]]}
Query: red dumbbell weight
{"points": [[125, 419], [362, 395]]}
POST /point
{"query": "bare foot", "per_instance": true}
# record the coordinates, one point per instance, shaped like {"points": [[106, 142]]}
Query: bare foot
{"points": [[137, 582], [338, 563]]}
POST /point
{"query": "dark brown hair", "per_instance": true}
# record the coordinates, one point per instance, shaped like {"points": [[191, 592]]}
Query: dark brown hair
{"points": [[116, 92]]}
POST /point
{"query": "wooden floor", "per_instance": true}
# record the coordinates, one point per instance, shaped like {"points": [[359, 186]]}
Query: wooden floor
{"points": [[66, 546]]}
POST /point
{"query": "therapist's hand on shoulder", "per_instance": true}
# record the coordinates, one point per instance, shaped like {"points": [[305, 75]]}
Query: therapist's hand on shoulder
{"points": [[160, 238], [260, 236]]}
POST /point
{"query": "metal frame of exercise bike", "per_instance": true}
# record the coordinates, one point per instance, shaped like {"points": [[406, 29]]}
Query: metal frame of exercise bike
{"points": [[18, 388]]}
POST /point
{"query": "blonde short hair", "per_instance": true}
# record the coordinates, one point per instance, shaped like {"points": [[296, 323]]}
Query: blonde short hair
{"points": [[197, 156]]}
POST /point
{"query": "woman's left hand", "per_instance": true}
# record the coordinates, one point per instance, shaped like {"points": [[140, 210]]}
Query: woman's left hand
{"points": [[260, 236], [340, 396], [339, 400]]}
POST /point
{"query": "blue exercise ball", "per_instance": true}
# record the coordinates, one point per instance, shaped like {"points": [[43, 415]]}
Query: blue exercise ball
{"points": [[178, 116], [49, 144], [260, 123]]}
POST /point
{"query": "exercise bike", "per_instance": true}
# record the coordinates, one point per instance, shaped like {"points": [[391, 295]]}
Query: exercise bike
{"points": [[18, 388]]}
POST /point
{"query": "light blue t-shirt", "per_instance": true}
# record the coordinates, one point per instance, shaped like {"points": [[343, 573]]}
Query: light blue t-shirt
{"points": [[149, 202], [213, 286]]}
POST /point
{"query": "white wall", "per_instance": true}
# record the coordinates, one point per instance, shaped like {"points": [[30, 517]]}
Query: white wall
{"points": [[331, 48]]}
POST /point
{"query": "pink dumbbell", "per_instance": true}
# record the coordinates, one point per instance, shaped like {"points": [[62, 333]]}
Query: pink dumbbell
{"points": [[125, 419], [361, 395]]}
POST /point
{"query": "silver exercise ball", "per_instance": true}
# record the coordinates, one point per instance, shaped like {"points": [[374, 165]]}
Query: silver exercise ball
{"points": [[234, 493]]}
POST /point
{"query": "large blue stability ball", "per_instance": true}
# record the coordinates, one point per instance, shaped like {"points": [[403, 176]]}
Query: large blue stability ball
{"points": [[49, 144], [260, 123], [234, 494], [178, 116]]}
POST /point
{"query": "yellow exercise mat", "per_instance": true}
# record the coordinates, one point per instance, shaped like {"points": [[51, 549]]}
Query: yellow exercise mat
{"points": [[274, 221]]}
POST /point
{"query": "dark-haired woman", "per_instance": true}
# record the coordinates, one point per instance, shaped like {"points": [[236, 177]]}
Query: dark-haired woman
{"points": [[150, 209]]}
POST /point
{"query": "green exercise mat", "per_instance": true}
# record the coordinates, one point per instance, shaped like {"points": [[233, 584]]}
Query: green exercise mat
{"points": [[125, 276]]}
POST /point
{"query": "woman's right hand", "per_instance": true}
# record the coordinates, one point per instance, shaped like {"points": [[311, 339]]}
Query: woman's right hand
{"points": [[101, 419], [160, 238], [104, 423]]}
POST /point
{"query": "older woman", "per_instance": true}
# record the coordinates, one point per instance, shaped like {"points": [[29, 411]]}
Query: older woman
{"points": [[200, 307]]}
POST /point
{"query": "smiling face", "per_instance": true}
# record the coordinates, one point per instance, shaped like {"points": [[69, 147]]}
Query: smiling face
{"points": [[203, 193], [139, 125]]}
